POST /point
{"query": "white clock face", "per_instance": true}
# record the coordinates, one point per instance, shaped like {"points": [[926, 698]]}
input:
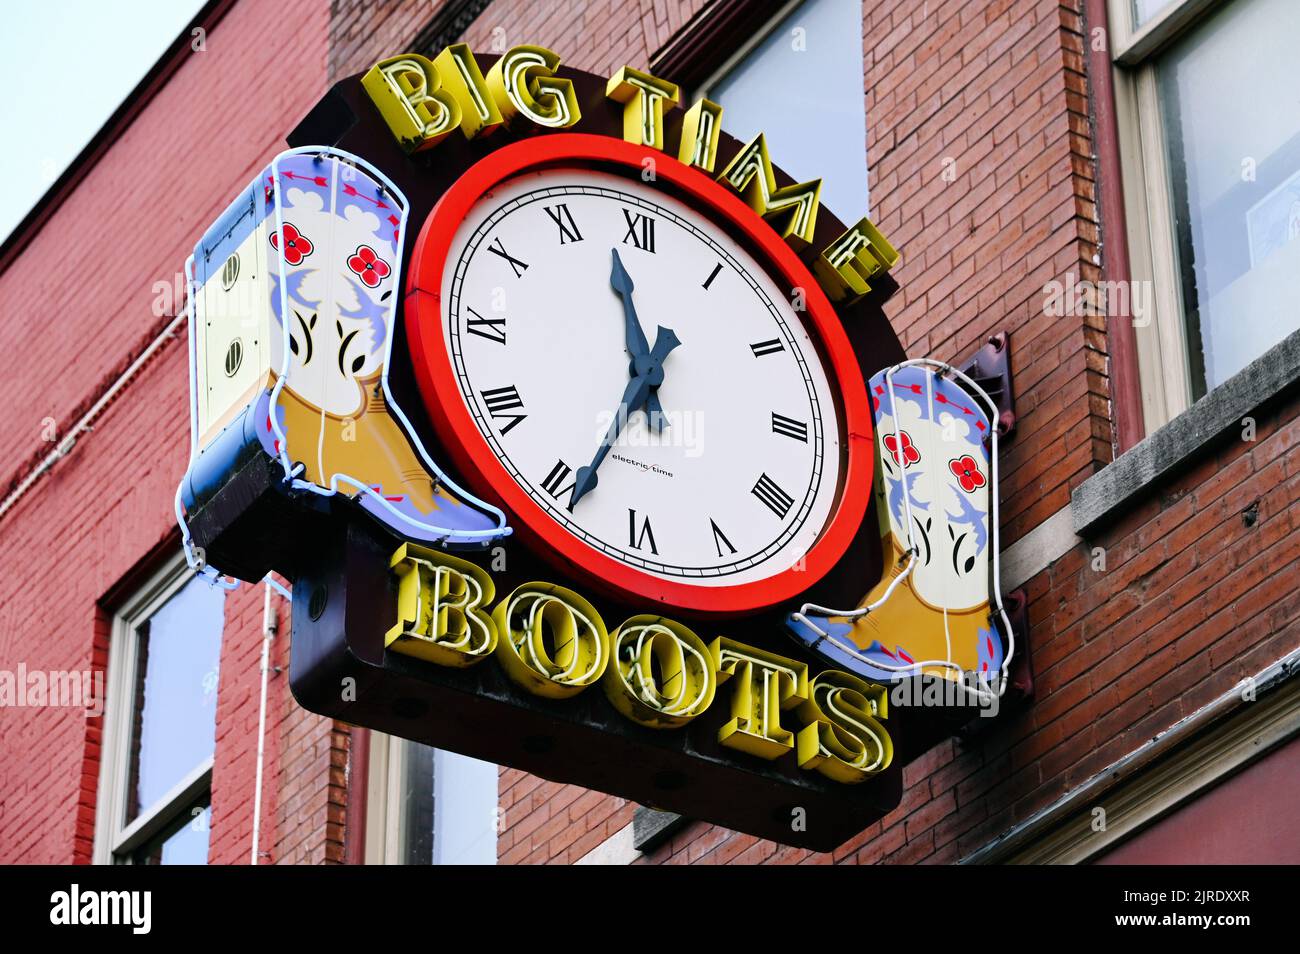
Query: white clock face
{"points": [[741, 482]]}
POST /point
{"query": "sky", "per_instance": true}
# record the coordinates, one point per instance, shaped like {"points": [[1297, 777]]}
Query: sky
{"points": [[65, 65]]}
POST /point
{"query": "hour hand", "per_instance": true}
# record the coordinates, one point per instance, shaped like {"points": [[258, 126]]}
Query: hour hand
{"points": [[665, 341], [654, 412]]}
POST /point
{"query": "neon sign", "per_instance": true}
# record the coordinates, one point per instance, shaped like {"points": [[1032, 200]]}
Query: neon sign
{"points": [[445, 353]]}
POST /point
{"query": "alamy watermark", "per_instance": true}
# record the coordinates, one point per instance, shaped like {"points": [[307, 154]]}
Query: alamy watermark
{"points": [[675, 428], [133, 909], [1110, 299], [52, 689], [972, 689]]}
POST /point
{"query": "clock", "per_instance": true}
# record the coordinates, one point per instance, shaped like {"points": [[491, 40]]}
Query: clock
{"points": [[642, 372]]}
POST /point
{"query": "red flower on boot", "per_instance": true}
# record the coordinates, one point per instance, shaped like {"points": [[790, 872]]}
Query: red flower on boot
{"points": [[901, 447], [370, 268], [296, 245], [967, 473]]}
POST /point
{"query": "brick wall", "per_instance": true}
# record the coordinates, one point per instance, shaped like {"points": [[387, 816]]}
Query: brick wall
{"points": [[77, 307], [599, 36], [545, 822]]}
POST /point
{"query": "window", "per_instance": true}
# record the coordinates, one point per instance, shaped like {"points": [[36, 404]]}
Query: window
{"points": [[799, 82], [426, 806], [155, 781], [1210, 134]]}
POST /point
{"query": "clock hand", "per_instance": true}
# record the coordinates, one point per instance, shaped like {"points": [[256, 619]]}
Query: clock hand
{"points": [[621, 282], [649, 374], [635, 393], [637, 346], [665, 341]]}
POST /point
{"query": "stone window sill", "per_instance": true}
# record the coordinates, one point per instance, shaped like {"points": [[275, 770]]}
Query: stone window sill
{"points": [[1127, 479]]}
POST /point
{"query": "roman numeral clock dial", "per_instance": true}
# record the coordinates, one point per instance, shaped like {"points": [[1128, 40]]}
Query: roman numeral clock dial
{"points": [[639, 389]]}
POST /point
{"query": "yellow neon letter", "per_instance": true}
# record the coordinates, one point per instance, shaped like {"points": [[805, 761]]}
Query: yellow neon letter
{"points": [[661, 674], [642, 96], [439, 608], [406, 89], [523, 84], [765, 684], [553, 643], [750, 174], [700, 128], [850, 261], [460, 75], [842, 737]]}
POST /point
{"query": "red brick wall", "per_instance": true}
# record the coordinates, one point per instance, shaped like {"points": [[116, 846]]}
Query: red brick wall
{"points": [[78, 306], [545, 822], [601, 35]]}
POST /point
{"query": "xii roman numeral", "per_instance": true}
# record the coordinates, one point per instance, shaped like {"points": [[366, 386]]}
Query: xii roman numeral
{"points": [[637, 541], [500, 402], [640, 229], [789, 427], [562, 217], [516, 266], [772, 496], [761, 348], [493, 329]]}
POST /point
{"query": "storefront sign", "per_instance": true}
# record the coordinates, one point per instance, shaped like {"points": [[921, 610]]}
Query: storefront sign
{"points": [[550, 398]]}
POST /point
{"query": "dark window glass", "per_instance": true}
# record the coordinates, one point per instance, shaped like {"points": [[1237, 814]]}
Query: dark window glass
{"points": [[417, 804]]}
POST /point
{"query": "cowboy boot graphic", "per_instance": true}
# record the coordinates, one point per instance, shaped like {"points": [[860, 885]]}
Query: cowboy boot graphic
{"points": [[295, 292], [929, 613]]}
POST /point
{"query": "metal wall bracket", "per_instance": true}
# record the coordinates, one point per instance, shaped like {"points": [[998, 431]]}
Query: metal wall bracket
{"points": [[990, 368]]}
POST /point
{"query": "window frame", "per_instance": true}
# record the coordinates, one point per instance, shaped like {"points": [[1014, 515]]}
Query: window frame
{"points": [[704, 87], [386, 835], [1164, 361], [115, 840]]}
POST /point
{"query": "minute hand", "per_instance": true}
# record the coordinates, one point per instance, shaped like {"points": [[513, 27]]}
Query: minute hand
{"points": [[633, 396]]}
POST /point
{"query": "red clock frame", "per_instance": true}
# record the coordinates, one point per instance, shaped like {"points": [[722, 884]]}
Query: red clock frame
{"points": [[489, 478]]}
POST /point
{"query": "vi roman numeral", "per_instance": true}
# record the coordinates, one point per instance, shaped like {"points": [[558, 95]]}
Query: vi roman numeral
{"points": [[789, 427], [493, 329], [501, 402], [562, 217], [516, 265], [646, 535], [640, 230], [772, 496]]}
